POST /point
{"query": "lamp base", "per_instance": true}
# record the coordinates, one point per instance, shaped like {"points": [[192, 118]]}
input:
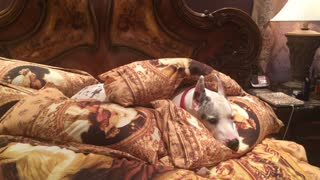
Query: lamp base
{"points": [[302, 45]]}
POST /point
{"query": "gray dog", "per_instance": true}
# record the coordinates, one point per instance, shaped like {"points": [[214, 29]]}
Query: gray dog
{"points": [[213, 109]]}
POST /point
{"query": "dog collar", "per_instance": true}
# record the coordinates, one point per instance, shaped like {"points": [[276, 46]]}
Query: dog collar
{"points": [[182, 100]]}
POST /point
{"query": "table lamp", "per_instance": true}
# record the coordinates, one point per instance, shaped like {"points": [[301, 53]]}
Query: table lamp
{"points": [[302, 43]]}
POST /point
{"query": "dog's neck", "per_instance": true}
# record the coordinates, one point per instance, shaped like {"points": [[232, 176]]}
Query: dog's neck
{"points": [[183, 96]]}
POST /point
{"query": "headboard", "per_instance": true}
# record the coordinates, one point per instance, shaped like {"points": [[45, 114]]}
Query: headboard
{"points": [[98, 35]]}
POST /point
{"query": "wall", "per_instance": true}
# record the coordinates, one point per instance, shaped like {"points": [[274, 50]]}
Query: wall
{"points": [[274, 58]]}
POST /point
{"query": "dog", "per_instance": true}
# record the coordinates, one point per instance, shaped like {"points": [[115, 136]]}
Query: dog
{"points": [[212, 109]]}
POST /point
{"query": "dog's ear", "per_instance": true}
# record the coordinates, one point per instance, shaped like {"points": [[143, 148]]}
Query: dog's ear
{"points": [[220, 86], [199, 94]]}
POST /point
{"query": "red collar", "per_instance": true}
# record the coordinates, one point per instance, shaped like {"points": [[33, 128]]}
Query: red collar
{"points": [[182, 99]]}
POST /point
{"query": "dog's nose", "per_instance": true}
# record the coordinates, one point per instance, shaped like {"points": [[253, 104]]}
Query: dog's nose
{"points": [[233, 144]]}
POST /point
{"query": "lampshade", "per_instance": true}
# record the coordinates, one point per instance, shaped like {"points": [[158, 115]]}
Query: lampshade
{"points": [[299, 10]]}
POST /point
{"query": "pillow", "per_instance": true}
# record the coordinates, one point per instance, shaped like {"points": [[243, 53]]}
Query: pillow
{"points": [[35, 76], [49, 115], [191, 145], [141, 82], [254, 120], [95, 91]]}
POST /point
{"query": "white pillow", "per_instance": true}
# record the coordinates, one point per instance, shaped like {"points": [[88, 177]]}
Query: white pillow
{"points": [[95, 91]]}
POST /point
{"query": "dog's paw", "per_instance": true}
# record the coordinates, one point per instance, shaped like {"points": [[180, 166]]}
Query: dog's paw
{"points": [[203, 172]]}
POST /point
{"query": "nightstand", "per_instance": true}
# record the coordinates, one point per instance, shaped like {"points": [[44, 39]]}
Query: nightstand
{"points": [[304, 127]]}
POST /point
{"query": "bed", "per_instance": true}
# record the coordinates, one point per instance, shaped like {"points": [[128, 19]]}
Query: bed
{"points": [[86, 85]]}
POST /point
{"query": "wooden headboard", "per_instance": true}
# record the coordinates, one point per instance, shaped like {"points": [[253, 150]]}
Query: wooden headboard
{"points": [[99, 35]]}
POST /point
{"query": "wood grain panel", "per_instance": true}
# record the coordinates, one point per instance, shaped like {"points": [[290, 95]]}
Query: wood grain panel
{"points": [[47, 29], [134, 26], [226, 39], [15, 24], [98, 35]]}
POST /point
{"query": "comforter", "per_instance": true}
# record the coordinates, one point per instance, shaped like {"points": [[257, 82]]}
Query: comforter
{"points": [[23, 158], [142, 135]]}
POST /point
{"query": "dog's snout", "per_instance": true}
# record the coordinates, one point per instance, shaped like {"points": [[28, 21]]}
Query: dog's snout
{"points": [[233, 144]]}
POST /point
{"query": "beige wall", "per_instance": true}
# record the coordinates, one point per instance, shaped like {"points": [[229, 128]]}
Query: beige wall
{"points": [[274, 58]]}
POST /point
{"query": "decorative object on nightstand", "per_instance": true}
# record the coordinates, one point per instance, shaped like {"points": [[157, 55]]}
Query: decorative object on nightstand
{"points": [[302, 43], [259, 81]]}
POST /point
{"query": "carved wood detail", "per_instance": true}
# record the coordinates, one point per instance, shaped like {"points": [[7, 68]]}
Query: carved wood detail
{"points": [[15, 25], [115, 32], [135, 27], [41, 30]]}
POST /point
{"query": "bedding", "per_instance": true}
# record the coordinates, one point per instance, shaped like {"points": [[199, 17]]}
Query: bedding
{"points": [[124, 126], [36, 76], [140, 131], [272, 159], [67, 136], [10, 95], [138, 83], [95, 91], [52, 116]]}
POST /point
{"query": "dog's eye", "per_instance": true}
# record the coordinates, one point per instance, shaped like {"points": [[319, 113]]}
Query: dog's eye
{"points": [[213, 120]]}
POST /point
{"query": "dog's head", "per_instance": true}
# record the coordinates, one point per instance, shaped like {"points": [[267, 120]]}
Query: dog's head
{"points": [[215, 111]]}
